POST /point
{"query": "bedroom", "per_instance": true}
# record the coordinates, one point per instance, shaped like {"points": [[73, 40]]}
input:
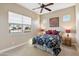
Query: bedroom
{"points": [[16, 41]]}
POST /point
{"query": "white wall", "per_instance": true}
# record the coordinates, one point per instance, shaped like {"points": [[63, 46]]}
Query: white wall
{"points": [[60, 13], [10, 39], [77, 24]]}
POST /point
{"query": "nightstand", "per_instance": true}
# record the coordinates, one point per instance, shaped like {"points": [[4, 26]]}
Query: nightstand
{"points": [[68, 41]]}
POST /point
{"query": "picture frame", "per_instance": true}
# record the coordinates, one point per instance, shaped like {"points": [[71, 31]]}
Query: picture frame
{"points": [[54, 22]]}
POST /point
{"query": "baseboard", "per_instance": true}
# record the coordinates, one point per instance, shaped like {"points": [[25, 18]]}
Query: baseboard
{"points": [[13, 47]]}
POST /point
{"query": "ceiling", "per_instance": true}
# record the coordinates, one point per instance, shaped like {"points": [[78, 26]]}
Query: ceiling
{"points": [[54, 7]]}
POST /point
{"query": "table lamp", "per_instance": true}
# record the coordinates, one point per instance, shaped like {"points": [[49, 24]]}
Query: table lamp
{"points": [[41, 31], [68, 31]]}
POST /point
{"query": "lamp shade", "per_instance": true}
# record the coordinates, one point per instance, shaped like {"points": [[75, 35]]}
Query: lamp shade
{"points": [[41, 29], [68, 30]]}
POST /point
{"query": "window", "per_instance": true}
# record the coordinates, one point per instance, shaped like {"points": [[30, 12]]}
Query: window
{"points": [[19, 23], [66, 18]]}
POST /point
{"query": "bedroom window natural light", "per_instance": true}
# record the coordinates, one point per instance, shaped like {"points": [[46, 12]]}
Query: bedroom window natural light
{"points": [[19, 23]]}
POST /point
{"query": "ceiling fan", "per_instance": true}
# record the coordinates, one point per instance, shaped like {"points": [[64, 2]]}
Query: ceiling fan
{"points": [[43, 6]]}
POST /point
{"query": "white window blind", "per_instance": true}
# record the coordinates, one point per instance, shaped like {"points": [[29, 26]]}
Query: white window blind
{"points": [[18, 22]]}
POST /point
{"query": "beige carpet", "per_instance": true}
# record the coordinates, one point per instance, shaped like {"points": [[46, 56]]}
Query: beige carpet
{"points": [[29, 50]]}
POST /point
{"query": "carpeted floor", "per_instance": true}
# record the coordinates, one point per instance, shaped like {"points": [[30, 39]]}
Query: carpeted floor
{"points": [[29, 50]]}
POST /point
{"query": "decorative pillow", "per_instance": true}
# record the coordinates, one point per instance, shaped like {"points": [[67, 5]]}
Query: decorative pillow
{"points": [[52, 32], [55, 32], [49, 32]]}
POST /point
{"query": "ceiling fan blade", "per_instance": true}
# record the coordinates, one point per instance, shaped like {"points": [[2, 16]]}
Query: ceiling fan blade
{"points": [[49, 4], [48, 9], [41, 10], [36, 8]]}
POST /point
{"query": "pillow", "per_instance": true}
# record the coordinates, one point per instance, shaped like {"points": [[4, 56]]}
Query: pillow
{"points": [[55, 32], [49, 32], [52, 32]]}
